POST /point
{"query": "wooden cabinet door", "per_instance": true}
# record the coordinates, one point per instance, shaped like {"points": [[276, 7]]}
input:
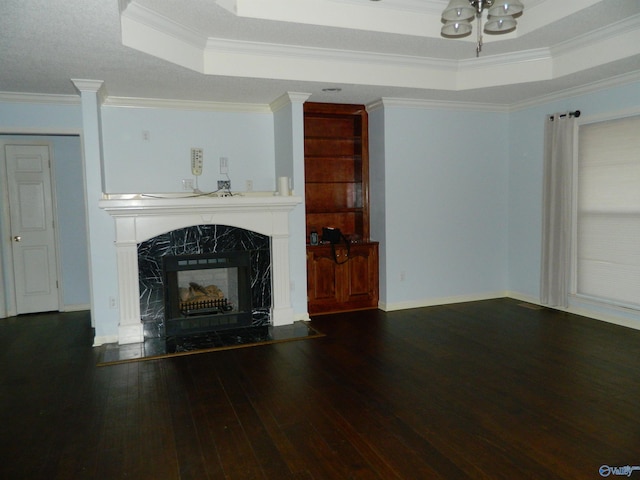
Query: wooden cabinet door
{"points": [[323, 280], [361, 277], [343, 285]]}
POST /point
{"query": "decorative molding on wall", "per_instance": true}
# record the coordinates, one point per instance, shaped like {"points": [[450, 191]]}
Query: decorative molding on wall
{"points": [[288, 99], [581, 307], [617, 81], [150, 32], [612, 82], [92, 86], [134, 102], [194, 105], [435, 104], [39, 98]]}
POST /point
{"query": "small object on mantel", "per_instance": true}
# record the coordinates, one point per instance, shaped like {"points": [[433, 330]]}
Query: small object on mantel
{"points": [[283, 186]]}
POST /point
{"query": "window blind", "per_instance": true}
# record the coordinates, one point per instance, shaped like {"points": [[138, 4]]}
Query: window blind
{"points": [[608, 211]]}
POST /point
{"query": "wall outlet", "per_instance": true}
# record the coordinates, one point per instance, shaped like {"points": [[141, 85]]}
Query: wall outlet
{"points": [[187, 184], [224, 164], [112, 302], [249, 185], [224, 184]]}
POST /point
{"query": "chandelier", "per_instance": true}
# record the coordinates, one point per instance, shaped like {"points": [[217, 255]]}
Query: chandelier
{"points": [[500, 18]]}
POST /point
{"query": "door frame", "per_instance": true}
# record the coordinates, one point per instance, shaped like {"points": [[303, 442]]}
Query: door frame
{"points": [[7, 277]]}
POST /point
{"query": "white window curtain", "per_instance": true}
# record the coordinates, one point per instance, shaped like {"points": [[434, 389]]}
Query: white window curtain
{"points": [[557, 209]]}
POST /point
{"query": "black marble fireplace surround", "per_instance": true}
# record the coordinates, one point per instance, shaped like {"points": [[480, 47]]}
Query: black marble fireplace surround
{"points": [[201, 239]]}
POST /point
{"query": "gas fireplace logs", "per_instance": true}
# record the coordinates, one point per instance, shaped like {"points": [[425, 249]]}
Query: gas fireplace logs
{"points": [[199, 300]]}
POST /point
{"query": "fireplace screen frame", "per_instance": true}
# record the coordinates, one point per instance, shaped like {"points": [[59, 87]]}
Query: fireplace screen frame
{"points": [[178, 323]]}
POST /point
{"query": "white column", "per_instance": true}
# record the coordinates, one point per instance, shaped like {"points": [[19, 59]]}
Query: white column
{"points": [[102, 255]]}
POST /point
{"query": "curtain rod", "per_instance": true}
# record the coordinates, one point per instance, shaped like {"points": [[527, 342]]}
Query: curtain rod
{"points": [[571, 114]]}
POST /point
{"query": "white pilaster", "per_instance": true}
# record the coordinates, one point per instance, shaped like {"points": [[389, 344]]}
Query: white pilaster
{"points": [[282, 313]]}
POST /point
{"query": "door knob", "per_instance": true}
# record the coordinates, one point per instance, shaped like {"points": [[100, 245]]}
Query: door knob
{"points": [[17, 238]]}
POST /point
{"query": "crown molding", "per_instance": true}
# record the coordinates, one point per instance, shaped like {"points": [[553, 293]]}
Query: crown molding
{"points": [[244, 47], [150, 18], [467, 66], [433, 7], [39, 98], [197, 105], [149, 32], [617, 81], [291, 97], [91, 86], [437, 104], [603, 34], [288, 98]]}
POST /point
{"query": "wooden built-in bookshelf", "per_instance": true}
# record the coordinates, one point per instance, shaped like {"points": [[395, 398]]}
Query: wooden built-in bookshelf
{"points": [[336, 152]]}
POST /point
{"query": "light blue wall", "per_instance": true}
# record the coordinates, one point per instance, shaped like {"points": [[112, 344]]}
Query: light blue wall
{"points": [[18, 117], [455, 195], [526, 141], [72, 226], [445, 204], [134, 165], [377, 189], [68, 182]]}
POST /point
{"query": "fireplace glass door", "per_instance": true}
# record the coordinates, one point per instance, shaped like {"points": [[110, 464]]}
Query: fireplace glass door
{"points": [[207, 292]]}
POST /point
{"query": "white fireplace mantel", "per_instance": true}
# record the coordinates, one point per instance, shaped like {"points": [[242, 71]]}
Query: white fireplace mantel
{"points": [[139, 217]]}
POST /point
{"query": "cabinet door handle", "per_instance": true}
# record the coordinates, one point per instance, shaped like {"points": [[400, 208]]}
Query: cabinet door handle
{"points": [[17, 238]]}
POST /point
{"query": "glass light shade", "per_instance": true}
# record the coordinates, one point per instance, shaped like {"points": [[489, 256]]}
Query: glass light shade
{"points": [[458, 10], [502, 8], [500, 24], [456, 29]]}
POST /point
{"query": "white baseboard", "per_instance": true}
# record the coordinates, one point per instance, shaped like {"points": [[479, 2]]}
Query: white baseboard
{"points": [[102, 339], [301, 317], [76, 308], [431, 302], [609, 317], [585, 311]]}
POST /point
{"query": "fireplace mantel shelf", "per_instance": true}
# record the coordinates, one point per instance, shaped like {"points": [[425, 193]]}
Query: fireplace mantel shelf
{"points": [[153, 204]]}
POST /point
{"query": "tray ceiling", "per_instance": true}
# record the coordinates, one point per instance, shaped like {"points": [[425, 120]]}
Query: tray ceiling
{"points": [[252, 51]]}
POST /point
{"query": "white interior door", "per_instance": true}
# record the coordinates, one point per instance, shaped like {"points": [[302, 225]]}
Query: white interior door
{"points": [[32, 235]]}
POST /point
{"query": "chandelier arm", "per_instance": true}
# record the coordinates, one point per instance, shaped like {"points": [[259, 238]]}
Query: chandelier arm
{"points": [[479, 44]]}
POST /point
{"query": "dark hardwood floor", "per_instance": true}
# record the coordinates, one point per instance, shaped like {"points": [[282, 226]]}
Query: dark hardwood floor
{"points": [[477, 390]]}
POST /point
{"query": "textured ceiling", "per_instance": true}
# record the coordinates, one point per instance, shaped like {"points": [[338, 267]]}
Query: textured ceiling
{"points": [[45, 43]]}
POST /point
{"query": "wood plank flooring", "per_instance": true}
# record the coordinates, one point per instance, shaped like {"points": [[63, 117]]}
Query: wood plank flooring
{"points": [[482, 390]]}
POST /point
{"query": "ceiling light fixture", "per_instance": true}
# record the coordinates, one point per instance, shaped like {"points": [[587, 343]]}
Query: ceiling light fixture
{"points": [[500, 18]]}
